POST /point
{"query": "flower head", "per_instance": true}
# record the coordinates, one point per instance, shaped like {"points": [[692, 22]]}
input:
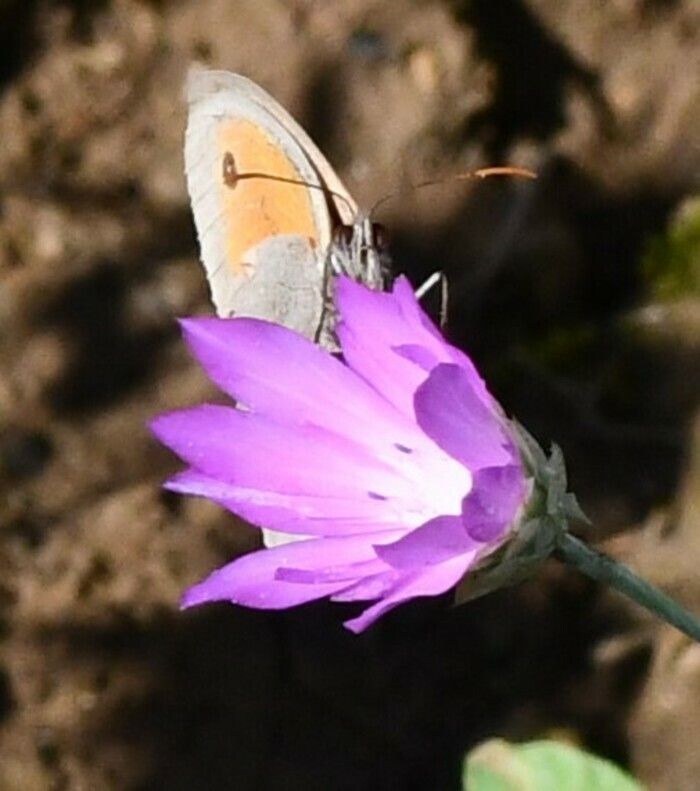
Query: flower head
{"points": [[394, 466]]}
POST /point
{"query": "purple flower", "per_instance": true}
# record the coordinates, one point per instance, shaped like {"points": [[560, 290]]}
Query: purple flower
{"points": [[394, 466]]}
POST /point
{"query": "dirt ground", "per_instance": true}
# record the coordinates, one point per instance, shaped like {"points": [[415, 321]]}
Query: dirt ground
{"points": [[103, 683]]}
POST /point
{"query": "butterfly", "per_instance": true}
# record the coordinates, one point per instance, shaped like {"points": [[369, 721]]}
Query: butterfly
{"points": [[273, 219]]}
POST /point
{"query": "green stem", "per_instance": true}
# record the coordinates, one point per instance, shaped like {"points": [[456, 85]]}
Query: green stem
{"points": [[603, 569]]}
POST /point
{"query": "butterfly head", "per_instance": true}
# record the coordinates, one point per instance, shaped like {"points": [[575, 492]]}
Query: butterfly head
{"points": [[361, 250]]}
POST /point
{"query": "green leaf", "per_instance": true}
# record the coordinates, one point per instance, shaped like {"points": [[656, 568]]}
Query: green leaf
{"points": [[671, 262], [541, 766]]}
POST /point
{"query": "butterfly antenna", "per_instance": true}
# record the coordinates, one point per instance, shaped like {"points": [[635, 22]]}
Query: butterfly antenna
{"points": [[469, 175]]}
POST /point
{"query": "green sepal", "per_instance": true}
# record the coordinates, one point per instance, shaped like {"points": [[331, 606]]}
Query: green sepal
{"points": [[534, 535]]}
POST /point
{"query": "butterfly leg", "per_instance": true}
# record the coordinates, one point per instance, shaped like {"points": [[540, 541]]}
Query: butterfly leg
{"points": [[436, 278], [324, 333]]}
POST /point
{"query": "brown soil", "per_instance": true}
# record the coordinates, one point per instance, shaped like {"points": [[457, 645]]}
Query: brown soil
{"points": [[103, 683]]}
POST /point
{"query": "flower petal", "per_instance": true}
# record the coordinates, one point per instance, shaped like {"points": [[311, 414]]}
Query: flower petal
{"points": [[333, 573], [252, 580], [430, 582], [290, 513], [492, 505], [450, 411], [369, 588], [253, 451], [389, 340], [436, 541]]}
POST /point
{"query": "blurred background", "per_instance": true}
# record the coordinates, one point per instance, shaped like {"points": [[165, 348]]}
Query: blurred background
{"points": [[577, 294]]}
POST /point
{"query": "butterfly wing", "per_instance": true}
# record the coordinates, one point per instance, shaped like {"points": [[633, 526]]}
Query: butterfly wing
{"points": [[259, 202], [343, 202]]}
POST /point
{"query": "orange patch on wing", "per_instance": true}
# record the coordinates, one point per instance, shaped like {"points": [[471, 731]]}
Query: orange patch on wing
{"points": [[257, 208]]}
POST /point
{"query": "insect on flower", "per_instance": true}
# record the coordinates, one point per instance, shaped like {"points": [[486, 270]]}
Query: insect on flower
{"points": [[393, 465]]}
